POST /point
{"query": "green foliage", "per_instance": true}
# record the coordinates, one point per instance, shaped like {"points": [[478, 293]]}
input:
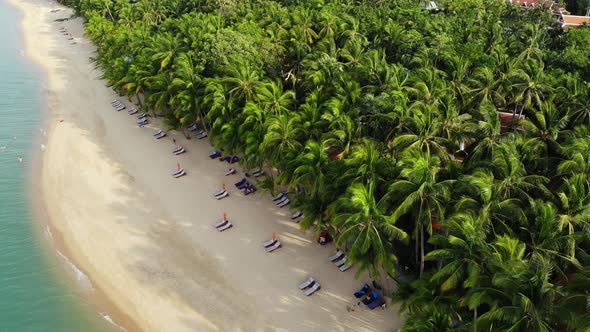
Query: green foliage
{"points": [[463, 133]]}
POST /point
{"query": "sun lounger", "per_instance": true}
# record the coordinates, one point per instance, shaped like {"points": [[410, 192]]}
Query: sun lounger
{"points": [[306, 283], [226, 226], [226, 159], [241, 183], [141, 115], [314, 288], [296, 215], [224, 195], [159, 134], [363, 291], [278, 197], [132, 111], [120, 108], [117, 105], [257, 174], [179, 173], [215, 154], [219, 193], [192, 127], [345, 267], [199, 132], [373, 300], [377, 303], [230, 172], [178, 150], [220, 223], [142, 122], [341, 262], [297, 220], [201, 136], [280, 201], [255, 170], [372, 296], [249, 189], [274, 247], [285, 203], [336, 256], [269, 243]]}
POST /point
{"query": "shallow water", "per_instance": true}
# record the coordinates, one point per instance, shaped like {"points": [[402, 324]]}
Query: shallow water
{"points": [[40, 290]]}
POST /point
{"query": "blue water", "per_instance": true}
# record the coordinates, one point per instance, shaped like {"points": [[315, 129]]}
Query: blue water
{"points": [[39, 290]]}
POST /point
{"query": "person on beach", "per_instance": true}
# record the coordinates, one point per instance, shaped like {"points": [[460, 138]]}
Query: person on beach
{"points": [[174, 141]]}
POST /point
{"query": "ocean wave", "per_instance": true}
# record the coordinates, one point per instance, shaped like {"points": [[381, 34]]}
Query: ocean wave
{"points": [[82, 278], [48, 233], [110, 320]]}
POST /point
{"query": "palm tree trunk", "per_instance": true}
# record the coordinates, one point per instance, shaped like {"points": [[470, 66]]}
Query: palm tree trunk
{"points": [[421, 250]]}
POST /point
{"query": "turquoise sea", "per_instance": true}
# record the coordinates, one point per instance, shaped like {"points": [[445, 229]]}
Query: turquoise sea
{"points": [[39, 289]]}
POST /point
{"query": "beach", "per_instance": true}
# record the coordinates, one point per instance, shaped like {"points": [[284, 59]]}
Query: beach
{"points": [[146, 239]]}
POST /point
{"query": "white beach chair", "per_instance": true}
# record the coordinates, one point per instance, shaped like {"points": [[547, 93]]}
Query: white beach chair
{"points": [[341, 262], [278, 197], [274, 247], [224, 195], [158, 132], [345, 267], [141, 115], [224, 227], [160, 135], [269, 243], [296, 215], [178, 150], [230, 172], [132, 111], [192, 127], [299, 219], [306, 283], [314, 288], [220, 192], [258, 174], [336, 256], [280, 201], [120, 108], [284, 203], [220, 223], [201, 136], [115, 101], [179, 173]]}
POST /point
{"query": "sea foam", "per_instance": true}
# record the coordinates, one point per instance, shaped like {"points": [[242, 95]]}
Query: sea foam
{"points": [[82, 278], [110, 320]]}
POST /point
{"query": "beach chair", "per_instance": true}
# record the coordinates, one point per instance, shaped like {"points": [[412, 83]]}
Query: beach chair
{"points": [[280, 201], [178, 150], [372, 296], [220, 223], [224, 195], [241, 183], [345, 267], [192, 127], [120, 108], [377, 303], [141, 115], [230, 172], [117, 105], [278, 197], [296, 215], [255, 170], [179, 173], [199, 132], [297, 220], [341, 262], [269, 243], [314, 288], [219, 193], [363, 291], [226, 159], [215, 154], [224, 227], [159, 134], [116, 101], [338, 255], [307, 283], [285, 203], [258, 174], [249, 189], [142, 122], [201, 136], [274, 247], [132, 111]]}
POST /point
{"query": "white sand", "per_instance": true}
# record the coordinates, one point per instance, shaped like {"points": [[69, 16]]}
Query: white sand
{"points": [[146, 238]]}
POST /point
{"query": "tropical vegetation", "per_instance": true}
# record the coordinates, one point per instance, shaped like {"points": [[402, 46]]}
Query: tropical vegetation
{"points": [[449, 149]]}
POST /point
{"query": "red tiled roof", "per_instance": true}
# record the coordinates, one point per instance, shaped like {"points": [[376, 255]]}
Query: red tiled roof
{"points": [[574, 21]]}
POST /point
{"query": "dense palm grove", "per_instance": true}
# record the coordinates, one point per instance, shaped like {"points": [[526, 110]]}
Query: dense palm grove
{"points": [[382, 120]]}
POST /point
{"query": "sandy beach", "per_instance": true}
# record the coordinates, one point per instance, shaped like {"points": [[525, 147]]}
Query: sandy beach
{"points": [[146, 239]]}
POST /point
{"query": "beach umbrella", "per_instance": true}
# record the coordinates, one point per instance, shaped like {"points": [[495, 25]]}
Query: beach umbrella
{"points": [[178, 165], [274, 236], [223, 185], [224, 216]]}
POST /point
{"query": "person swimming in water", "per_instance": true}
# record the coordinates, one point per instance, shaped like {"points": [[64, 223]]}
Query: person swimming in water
{"points": [[20, 159]]}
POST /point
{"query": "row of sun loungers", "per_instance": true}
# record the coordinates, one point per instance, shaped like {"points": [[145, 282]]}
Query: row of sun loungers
{"points": [[309, 286], [339, 259], [281, 200], [245, 186]]}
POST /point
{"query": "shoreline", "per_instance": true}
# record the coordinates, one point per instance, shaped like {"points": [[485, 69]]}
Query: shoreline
{"points": [[45, 230], [138, 235]]}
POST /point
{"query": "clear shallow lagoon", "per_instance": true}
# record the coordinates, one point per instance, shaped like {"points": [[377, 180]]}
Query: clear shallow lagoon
{"points": [[39, 289]]}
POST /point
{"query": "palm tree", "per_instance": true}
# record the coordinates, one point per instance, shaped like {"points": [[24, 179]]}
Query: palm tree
{"points": [[366, 229]]}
